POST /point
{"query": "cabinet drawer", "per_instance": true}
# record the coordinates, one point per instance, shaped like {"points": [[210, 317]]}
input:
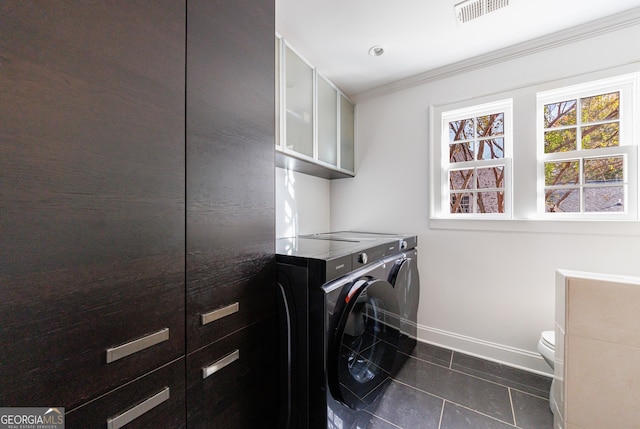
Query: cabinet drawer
{"points": [[101, 328], [156, 400], [232, 382], [239, 294]]}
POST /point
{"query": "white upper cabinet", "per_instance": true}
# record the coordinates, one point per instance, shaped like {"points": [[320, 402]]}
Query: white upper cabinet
{"points": [[298, 104], [315, 119]]}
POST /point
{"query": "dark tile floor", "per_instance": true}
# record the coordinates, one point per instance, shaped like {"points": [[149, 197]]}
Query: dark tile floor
{"points": [[441, 389]]}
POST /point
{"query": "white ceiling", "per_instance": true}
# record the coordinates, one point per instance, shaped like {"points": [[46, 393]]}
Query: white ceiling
{"points": [[418, 35]]}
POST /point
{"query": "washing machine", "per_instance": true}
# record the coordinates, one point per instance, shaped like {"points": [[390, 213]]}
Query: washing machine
{"points": [[341, 324], [403, 276]]}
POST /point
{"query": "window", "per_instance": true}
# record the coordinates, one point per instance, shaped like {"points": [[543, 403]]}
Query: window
{"points": [[587, 162], [576, 157], [476, 167]]}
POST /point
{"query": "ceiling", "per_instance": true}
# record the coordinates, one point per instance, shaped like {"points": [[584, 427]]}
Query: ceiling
{"points": [[418, 35]]}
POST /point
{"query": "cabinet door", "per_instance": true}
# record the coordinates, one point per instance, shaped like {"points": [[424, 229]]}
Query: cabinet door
{"points": [[298, 104], [347, 135], [230, 175], [93, 205], [327, 122], [154, 401]]}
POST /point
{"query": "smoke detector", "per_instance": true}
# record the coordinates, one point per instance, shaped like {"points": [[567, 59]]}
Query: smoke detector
{"points": [[376, 51], [474, 9]]}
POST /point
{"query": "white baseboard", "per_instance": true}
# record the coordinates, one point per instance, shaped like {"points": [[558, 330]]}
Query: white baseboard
{"points": [[511, 356]]}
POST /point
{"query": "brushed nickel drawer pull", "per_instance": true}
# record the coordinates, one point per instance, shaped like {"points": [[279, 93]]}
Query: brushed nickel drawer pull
{"points": [[217, 366], [118, 352], [214, 315], [133, 413]]}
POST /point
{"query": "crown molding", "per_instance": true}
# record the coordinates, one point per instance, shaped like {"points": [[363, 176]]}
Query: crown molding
{"points": [[578, 33]]}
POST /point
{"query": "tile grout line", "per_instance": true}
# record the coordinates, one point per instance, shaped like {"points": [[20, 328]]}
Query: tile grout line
{"points": [[496, 379], [469, 375], [420, 390], [385, 420], [513, 411], [479, 376], [481, 413], [435, 361], [528, 393], [444, 401], [497, 383], [520, 388]]}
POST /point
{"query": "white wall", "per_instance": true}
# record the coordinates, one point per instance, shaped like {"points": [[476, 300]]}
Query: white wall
{"points": [[495, 310], [303, 204]]}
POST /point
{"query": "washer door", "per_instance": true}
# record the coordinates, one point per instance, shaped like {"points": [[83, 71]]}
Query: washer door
{"points": [[364, 341]]}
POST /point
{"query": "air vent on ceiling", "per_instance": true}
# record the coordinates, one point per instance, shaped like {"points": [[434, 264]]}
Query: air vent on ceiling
{"points": [[473, 9]]}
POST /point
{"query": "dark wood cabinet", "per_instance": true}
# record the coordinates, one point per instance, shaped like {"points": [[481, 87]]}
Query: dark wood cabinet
{"points": [[136, 200], [93, 199], [231, 213], [230, 157]]}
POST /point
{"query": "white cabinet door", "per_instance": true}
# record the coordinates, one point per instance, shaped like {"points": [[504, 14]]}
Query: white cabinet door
{"points": [[299, 104], [327, 122], [347, 135]]}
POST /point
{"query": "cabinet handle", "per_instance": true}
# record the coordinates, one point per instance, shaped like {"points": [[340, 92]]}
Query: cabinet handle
{"points": [[218, 365], [214, 315], [118, 352], [133, 413]]}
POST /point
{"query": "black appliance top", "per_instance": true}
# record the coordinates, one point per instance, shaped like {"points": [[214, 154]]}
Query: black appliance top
{"points": [[338, 253], [406, 241], [326, 249]]}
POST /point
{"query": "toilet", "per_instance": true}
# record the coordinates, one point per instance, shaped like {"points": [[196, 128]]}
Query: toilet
{"points": [[547, 348]]}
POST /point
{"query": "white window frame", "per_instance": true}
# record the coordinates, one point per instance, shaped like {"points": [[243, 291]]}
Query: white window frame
{"points": [[627, 86], [502, 106]]}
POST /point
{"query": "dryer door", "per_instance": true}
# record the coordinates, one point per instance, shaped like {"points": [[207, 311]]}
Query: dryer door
{"points": [[364, 341], [406, 282]]}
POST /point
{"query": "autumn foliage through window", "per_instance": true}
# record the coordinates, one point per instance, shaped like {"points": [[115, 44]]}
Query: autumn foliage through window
{"points": [[582, 176], [476, 158]]}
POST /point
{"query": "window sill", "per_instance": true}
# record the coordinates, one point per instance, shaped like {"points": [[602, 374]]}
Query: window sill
{"points": [[565, 226]]}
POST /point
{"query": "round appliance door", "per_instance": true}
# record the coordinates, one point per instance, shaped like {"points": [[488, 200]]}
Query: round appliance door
{"points": [[364, 341], [406, 282]]}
